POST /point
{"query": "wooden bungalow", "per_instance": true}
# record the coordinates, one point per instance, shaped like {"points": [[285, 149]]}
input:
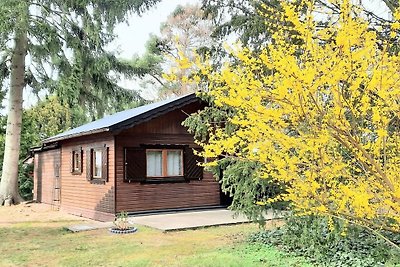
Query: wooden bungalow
{"points": [[138, 160]]}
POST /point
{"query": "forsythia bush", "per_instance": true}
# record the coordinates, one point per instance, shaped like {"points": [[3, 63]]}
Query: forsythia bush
{"points": [[319, 108]]}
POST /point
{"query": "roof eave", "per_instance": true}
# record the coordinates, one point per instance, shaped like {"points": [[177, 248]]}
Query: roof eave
{"points": [[69, 136], [43, 147]]}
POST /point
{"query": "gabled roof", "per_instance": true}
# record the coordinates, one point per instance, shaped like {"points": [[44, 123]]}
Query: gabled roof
{"points": [[125, 119]]}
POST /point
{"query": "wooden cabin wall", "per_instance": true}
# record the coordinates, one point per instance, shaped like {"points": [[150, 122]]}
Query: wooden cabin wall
{"points": [[80, 196], [44, 175], [166, 129]]}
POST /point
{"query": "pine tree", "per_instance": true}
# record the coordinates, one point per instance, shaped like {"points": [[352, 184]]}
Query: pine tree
{"points": [[43, 42], [247, 21], [315, 111]]}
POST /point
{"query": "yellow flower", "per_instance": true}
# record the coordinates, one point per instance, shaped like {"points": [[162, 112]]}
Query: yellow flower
{"points": [[322, 122]]}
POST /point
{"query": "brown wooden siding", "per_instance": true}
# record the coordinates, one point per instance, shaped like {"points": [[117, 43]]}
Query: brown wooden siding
{"points": [[80, 196], [166, 129], [44, 175]]}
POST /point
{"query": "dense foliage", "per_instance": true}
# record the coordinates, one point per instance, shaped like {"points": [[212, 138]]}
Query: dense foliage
{"points": [[317, 108], [68, 49], [239, 179], [47, 118], [331, 242], [59, 47], [25, 181], [242, 20]]}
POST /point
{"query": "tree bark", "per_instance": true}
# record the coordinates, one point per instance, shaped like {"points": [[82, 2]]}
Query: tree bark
{"points": [[9, 192]]}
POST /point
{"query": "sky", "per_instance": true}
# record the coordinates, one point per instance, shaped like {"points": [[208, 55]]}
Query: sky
{"points": [[132, 38]]}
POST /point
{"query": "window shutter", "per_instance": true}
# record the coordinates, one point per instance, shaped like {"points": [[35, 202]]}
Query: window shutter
{"points": [[81, 161], [89, 174], [192, 170], [104, 161], [71, 161], [135, 164]]}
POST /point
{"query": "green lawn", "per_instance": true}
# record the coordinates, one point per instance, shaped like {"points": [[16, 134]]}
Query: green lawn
{"points": [[49, 244]]}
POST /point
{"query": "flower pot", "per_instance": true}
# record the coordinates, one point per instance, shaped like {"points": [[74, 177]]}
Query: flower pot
{"points": [[122, 231]]}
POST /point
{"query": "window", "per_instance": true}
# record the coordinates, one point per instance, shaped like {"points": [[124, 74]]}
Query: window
{"points": [[174, 163], [161, 164], [164, 162], [76, 161], [97, 164]]}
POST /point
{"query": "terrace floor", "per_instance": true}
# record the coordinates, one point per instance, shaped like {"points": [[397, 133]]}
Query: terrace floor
{"points": [[173, 221]]}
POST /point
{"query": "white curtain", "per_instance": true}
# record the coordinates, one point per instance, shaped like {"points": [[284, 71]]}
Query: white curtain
{"points": [[98, 158], [154, 163], [174, 163]]}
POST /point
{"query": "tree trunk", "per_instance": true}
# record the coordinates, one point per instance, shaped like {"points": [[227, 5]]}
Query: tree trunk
{"points": [[9, 192]]}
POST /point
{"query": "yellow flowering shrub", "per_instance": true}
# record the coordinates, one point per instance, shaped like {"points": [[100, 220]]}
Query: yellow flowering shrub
{"points": [[319, 109]]}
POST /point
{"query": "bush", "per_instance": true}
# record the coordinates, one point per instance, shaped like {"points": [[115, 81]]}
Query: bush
{"points": [[331, 243], [25, 180]]}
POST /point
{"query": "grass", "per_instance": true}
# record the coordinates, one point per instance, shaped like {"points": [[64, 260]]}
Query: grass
{"points": [[244, 255], [49, 244]]}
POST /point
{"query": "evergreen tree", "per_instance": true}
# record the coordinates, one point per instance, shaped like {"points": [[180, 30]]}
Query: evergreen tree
{"points": [[43, 42], [246, 20], [324, 124]]}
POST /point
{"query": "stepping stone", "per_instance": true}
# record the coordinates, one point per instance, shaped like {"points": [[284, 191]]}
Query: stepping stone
{"points": [[80, 228]]}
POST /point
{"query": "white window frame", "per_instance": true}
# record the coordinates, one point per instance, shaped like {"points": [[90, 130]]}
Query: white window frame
{"points": [[164, 164], [94, 150]]}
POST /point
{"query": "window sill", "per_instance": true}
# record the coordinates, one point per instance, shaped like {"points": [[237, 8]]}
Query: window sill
{"points": [[76, 173], [97, 181], [165, 180]]}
